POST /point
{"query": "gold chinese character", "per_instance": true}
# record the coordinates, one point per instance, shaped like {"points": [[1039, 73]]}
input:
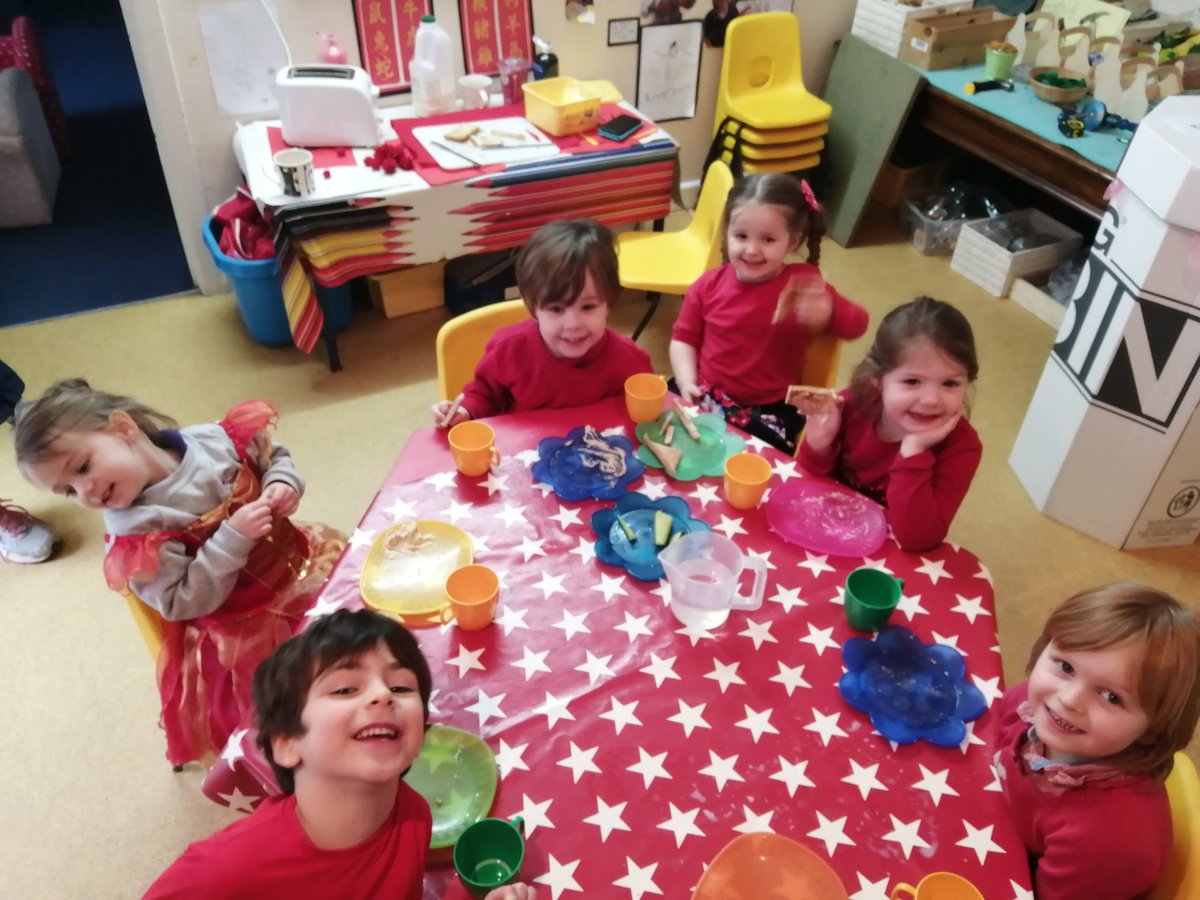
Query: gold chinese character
{"points": [[484, 56], [383, 69], [410, 8], [482, 29], [480, 6], [375, 13], [381, 42]]}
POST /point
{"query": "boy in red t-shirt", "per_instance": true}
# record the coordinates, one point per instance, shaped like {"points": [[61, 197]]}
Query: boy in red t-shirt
{"points": [[342, 709]]}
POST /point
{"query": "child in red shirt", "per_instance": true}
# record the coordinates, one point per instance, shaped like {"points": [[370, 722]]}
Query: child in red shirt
{"points": [[566, 355], [898, 434], [741, 334], [1083, 747], [342, 710]]}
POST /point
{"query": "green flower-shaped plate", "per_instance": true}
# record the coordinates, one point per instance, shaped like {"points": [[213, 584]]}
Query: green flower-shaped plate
{"points": [[703, 457], [456, 774]]}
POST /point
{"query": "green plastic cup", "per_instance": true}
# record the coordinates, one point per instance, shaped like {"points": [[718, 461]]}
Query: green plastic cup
{"points": [[997, 64], [489, 854], [871, 595]]}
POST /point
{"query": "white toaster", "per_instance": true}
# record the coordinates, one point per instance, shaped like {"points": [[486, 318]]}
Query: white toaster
{"points": [[327, 106]]}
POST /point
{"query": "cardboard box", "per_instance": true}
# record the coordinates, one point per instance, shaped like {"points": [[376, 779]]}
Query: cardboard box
{"points": [[993, 267], [952, 40], [1032, 296], [895, 183], [881, 22], [1111, 442], [408, 290]]}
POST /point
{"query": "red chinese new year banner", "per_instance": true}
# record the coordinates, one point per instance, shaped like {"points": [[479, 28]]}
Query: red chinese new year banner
{"points": [[386, 30], [493, 30]]}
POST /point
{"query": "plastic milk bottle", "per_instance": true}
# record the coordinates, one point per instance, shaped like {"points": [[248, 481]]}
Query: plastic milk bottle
{"points": [[431, 70]]}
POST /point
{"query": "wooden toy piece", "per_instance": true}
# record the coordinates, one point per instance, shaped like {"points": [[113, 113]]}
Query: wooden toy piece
{"points": [[685, 420], [1106, 74], [1167, 81], [1074, 45], [668, 434], [1133, 102], [668, 456], [1042, 43], [1016, 37]]}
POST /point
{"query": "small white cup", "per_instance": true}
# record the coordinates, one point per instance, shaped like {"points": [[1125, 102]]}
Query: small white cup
{"points": [[476, 91], [295, 168]]}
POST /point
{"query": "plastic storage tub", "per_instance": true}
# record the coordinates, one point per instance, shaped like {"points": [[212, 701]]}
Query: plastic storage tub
{"points": [[260, 298], [562, 106], [931, 236]]}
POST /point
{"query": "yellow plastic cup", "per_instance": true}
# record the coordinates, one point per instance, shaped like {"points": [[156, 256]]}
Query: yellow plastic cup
{"points": [[644, 394], [938, 886], [473, 446], [746, 477], [473, 592]]}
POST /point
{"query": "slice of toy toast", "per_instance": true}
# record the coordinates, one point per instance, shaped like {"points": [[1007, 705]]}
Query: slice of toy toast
{"points": [[811, 401]]}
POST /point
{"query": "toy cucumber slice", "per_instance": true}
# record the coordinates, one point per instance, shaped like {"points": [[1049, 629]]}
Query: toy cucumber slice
{"points": [[630, 534], [662, 527]]}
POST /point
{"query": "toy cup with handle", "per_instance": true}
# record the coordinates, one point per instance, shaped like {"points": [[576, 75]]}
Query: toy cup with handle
{"points": [[703, 570], [938, 886], [489, 853]]}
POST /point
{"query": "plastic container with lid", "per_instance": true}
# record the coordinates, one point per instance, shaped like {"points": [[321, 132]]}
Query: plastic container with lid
{"points": [[431, 70], [545, 62]]}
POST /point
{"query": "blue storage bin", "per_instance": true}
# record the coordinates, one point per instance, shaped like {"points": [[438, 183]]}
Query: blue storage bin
{"points": [[260, 298]]}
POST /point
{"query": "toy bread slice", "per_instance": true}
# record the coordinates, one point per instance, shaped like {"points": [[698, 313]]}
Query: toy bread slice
{"points": [[486, 139], [668, 456], [461, 133], [811, 401], [685, 420]]}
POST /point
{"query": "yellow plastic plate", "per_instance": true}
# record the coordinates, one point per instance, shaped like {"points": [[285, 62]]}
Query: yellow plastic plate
{"points": [[456, 774], [413, 583]]}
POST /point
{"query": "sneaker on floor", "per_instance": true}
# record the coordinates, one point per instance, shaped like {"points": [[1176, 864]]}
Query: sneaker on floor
{"points": [[24, 538]]}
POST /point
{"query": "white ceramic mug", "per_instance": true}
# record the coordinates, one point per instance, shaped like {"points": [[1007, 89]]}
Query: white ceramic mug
{"points": [[475, 90], [295, 168]]}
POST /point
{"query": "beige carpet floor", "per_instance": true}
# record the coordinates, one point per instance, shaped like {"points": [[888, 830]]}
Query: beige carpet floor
{"points": [[90, 808]]}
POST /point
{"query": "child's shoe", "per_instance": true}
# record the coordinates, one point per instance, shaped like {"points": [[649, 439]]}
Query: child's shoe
{"points": [[23, 538]]}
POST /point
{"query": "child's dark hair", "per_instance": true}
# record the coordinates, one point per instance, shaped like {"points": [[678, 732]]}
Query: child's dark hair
{"points": [[1167, 683], [791, 195], [554, 265], [73, 404], [282, 681], [940, 323]]}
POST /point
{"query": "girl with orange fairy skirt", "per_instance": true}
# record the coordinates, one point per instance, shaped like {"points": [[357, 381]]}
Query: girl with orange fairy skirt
{"points": [[198, 530]]}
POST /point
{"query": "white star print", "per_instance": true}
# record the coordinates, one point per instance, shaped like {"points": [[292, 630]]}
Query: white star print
{"points": [[731, 526], [531, 662], [233, 747], [239, 801], [935, 569], [995, 785], [787, 597], [532, 548], [831, 831], [758, 632], [661, 669], [554, 709], [979, 840], [681, 824], [664, 591], [969, 607], [580, 761], [949, 642], [479, 545], [815, 563], [984, 573], [654, 488], [765, 556], [534, 814], [495, 483], [820, 638], [510, 619], [634, 626], [456, 511], [791, 677], [361, 539], [546, 489], [550, 585], [755, 444], [755, 823], [610, 587], [1020, 893], [467, 660], [793, 775], [510, 758], [690, 717], [512, 515], [695, 634], [905, 834], [935, 783], [989, 687], [639, 881], [725, 674], [572, 623], [911, 605], [324, 606], [721, 770], [586, 550], [863, 778], [559, 877], [826, 726], [621, 714], [441, 480], [486, 707], [970, 738], [607, 818], [785, 470], [704, 493], [529, 457], [871, 890], [649, 767], [401, 509], [566, 516], [757, 722], [880, 564], [596, 667]]}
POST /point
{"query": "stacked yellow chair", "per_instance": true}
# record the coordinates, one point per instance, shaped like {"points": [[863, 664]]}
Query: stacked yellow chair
{"points": [[766, 119]]}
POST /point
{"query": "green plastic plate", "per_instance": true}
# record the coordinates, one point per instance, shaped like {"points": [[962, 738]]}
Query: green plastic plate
{"points": [[703, 457], [456, 774]]}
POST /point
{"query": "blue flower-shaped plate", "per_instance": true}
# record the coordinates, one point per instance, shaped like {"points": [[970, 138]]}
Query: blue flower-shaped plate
{"points": [[911, 690], [703, 457], [572, 468], [639, 557]]}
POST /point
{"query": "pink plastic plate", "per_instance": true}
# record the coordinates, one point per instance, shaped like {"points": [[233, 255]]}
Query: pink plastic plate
{"points": [[826, 518]]}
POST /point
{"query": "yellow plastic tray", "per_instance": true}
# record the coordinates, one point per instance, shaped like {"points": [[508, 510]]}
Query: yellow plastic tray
{"points": [[414, 584], [561, 106]]}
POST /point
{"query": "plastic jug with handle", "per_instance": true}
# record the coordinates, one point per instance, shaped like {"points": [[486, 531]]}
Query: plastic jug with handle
{"points": [[703, 570], [431, 70]]}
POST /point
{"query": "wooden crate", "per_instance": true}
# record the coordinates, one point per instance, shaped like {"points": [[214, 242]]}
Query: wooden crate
{"points": [[409, 290], [881, 22], [952, 40], [993, 267], [1032, 296]]}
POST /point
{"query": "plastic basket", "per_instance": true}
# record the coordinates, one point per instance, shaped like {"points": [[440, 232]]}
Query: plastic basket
{"points": [[561, 106]]}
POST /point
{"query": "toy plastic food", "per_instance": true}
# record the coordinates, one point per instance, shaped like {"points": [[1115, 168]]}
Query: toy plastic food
{"points": [[811, 401]]}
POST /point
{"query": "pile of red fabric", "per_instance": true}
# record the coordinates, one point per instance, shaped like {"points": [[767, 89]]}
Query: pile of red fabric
{"points": [[242, 233]]}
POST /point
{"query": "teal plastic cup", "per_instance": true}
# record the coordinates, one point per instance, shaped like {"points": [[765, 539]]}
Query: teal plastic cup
{"points": [[489, 854], [871, 595]]}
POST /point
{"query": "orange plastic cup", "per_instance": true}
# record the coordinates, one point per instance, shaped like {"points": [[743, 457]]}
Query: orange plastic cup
{"points": [[644, 394], [746, 477], [473, 592], [938, 886], [473, 446]]}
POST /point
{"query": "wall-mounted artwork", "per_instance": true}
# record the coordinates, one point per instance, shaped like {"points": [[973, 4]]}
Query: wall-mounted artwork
{"points": [[665, 12], [385, 39], [493, 30], [623, 31], [669, 70]]}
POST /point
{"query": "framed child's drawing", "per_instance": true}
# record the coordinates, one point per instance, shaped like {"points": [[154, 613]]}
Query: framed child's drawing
{"points": [[669, 70]]}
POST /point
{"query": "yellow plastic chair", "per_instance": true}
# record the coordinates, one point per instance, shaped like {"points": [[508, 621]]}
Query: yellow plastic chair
{"points": [[460, 342], [761, 83], [820, 367], [668, 262], [149, 623], [1181, 879]]}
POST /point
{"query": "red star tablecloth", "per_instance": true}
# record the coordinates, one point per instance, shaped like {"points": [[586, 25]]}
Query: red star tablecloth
{"points": [[634, 748]]}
